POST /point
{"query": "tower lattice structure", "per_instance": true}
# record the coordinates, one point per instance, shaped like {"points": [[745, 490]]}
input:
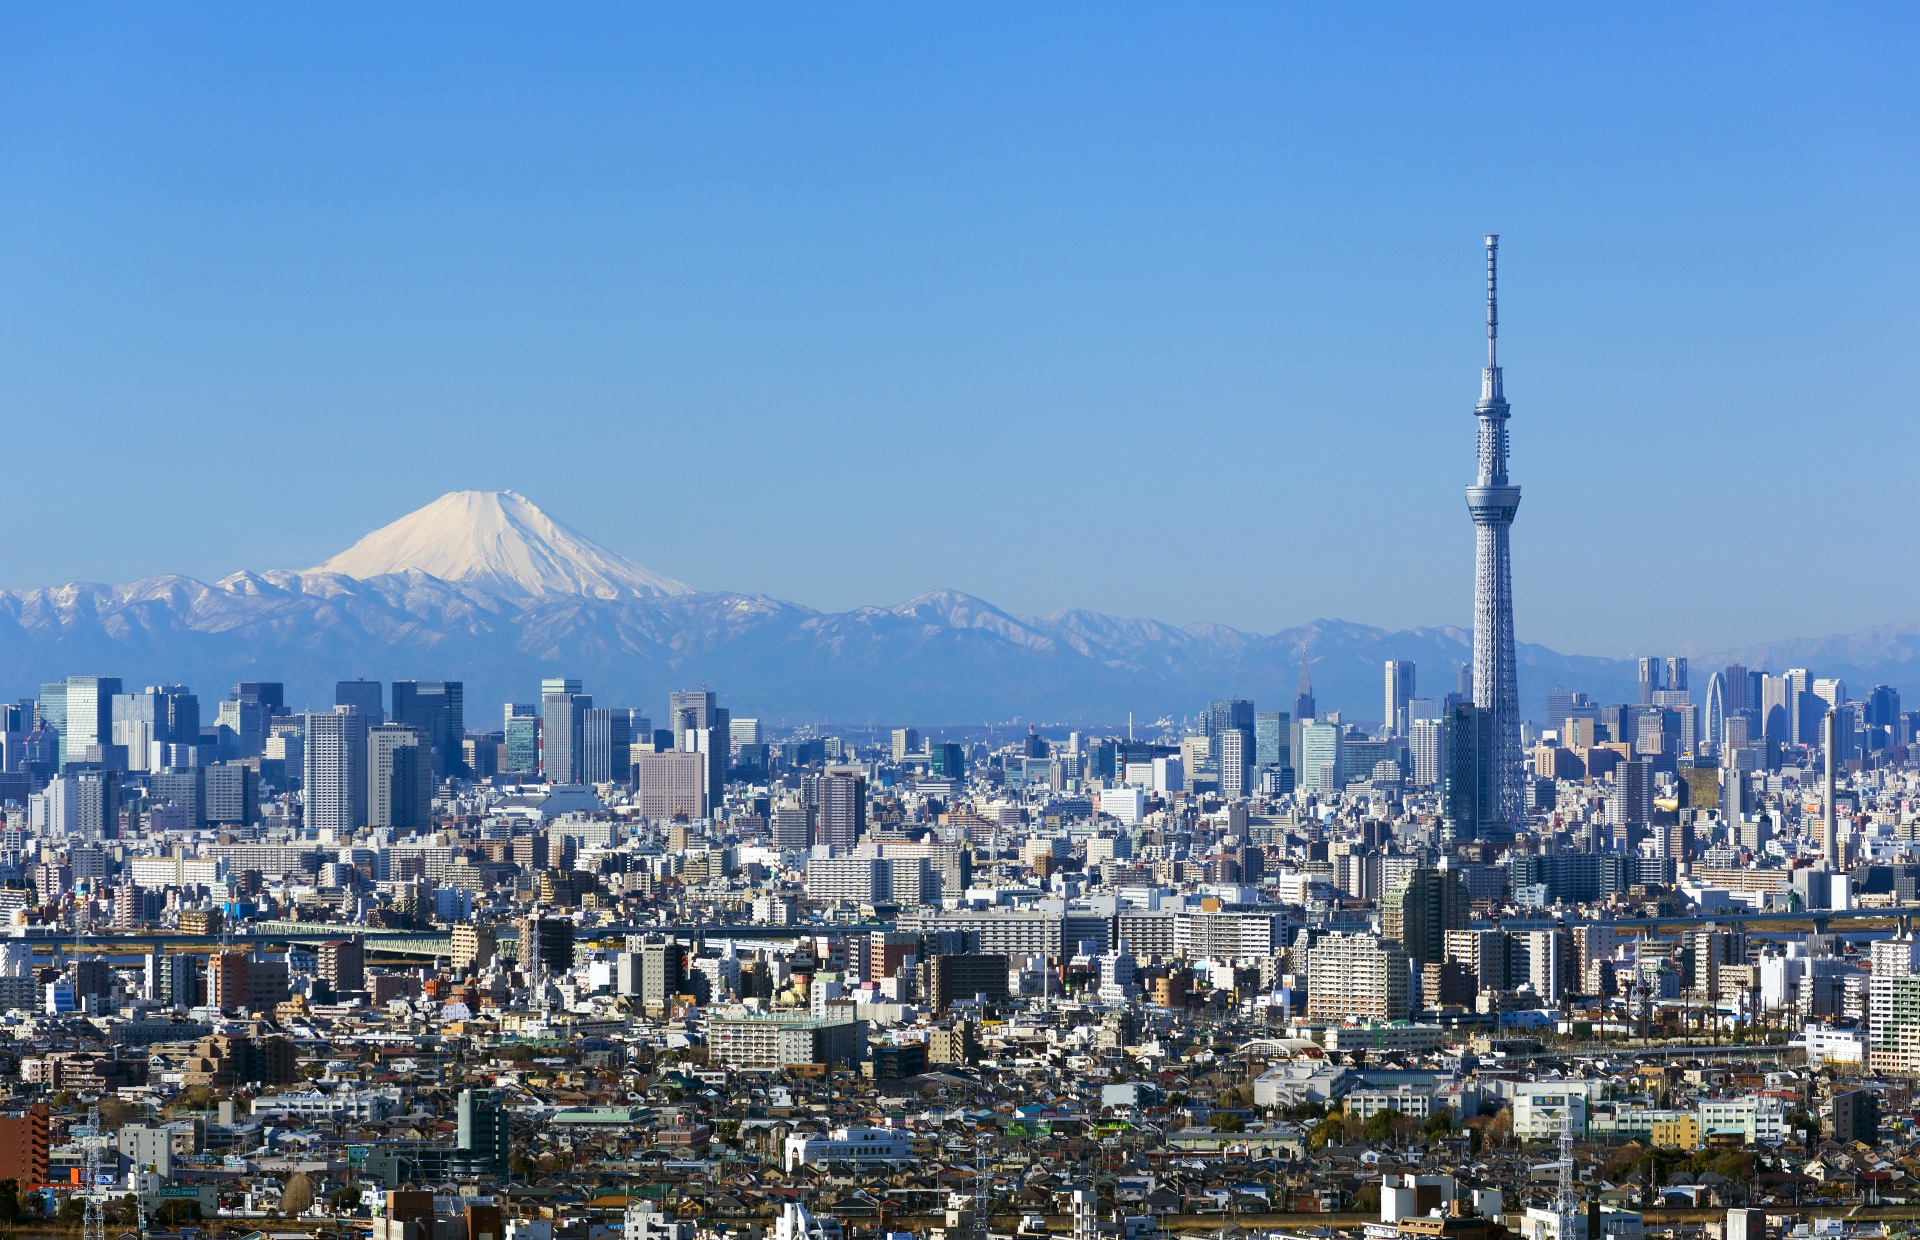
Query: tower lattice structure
{"points": [[94, 1222], [1492, 500]]}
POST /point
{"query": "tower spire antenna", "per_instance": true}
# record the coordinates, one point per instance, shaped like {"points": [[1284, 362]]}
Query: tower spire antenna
{"points": [[1490, 384], [1493, 298]]}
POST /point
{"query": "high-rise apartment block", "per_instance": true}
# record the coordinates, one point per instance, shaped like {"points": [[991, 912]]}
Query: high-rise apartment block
{"points": [[839, 809], [335, 784], [1421, 909], [1359, 976]]}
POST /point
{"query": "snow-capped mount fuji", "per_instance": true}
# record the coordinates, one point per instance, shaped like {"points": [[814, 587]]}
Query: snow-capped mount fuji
{"points": [[501, 543]]}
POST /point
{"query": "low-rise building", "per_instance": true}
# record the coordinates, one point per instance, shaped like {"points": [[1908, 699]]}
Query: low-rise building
{"points": [[1541, 1109], [849, 1146], [1385, 1035]]}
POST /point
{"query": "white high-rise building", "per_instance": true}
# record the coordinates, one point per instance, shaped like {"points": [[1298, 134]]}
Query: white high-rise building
{"points": [[1235, 762], [1425, 736], [1894, 961], [89, 719], [1119, 976], [335, 778], [1399, 686]]}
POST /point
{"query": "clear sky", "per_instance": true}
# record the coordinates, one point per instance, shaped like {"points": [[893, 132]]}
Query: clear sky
{"points": [[1156, 310]]}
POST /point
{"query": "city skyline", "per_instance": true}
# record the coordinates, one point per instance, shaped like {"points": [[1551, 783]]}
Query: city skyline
{"points": [[1161, 864], [1142, 236]]}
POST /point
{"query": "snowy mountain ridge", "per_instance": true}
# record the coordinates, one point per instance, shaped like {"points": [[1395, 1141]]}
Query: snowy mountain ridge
{"points": [[485, 588]]}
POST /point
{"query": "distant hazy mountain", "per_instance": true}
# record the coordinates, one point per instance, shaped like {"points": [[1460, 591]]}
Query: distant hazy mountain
{"points": [[486, 588]]}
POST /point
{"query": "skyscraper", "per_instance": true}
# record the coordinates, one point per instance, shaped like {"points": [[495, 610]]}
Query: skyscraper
{"points": [[1829, 790], [1738, 698], [840, 809], [606, 746], [562, 748], [1230, 716], [271, 694], [1270, 739], [335, 790], [1492, 500], [1650, 684], [701, 725], [399, 777], [366, 696], [1420, 910], [437, 708], [521, 726], [1320, 746], [1234, 757], [1399, 693], [89, 717], [1303, 698], [1224, 713], [1463, 772], [1716, 725]]}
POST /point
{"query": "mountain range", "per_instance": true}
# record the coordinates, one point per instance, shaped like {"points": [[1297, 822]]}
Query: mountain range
{"points": [[486, 588]]}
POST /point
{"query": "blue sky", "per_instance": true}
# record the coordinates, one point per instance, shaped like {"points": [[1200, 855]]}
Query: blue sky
{"points": [[1155, 310]]}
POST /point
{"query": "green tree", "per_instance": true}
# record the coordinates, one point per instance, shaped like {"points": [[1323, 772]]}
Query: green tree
{"points": [[1379, 1125], [1226, 1121], [1440, 1122]]}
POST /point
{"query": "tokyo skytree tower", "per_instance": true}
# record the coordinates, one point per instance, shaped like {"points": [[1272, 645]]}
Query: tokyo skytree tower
{"points": [[1493, 500]]}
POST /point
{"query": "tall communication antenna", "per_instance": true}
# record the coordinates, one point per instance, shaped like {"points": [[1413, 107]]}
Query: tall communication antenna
{"points": [[1566, 1206], [95, 1225], [1492, 501], [982, 1183]]}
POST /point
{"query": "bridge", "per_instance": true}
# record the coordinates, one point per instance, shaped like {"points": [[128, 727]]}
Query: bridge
{"points": [[1818, 919], [377, 942], [427, 944]]}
